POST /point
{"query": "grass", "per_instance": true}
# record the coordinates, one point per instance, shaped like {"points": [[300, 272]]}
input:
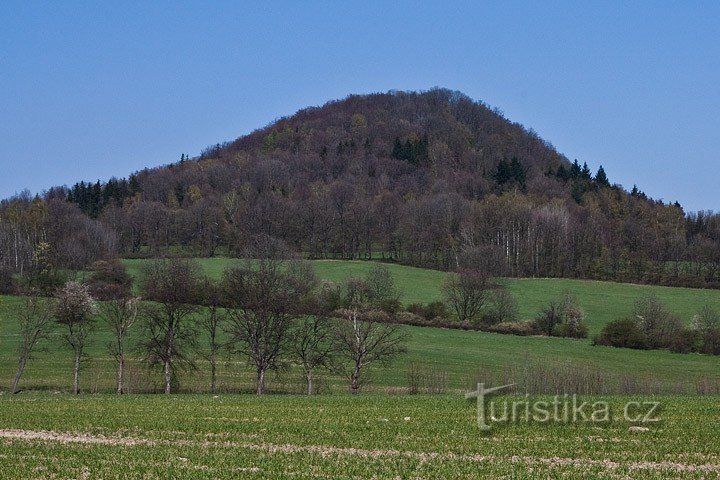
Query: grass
{"points": [[339, 436], [373, 435], [465, 357], [603, 302]]}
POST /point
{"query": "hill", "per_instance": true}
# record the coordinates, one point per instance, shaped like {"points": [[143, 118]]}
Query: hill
{"points": [[431, 179]]}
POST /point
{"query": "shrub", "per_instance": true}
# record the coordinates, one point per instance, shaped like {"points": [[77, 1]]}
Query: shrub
{"points": [[707, 325], [623, 333], [522, 329], [7, 286], [710, 342], [109, 280], [432, 311], [572, 328], [686, 340], [562, 318], [502, 308], [656, 321]]}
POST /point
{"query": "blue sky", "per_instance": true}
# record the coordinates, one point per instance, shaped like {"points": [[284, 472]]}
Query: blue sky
{"points": [[89, 91]]}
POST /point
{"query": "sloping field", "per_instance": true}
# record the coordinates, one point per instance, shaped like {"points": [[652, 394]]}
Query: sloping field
{"points": [[602, 301]]}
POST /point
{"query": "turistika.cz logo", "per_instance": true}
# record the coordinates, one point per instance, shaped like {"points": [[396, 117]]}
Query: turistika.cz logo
{"points": [[556, 409]]}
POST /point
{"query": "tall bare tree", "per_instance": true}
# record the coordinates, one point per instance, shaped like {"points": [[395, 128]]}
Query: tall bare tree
{"points": [[74, 309], [364, 335], [169, 332], [264, 298], [211, 321], [34, 315], [363, 338], [120, 315], [312, 339]]}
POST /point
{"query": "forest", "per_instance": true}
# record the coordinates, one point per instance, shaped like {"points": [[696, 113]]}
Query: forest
{"points": [[431, 179]]}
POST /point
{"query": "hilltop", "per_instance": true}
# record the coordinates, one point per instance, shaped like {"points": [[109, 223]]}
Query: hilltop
{"points": [[432, 179]]}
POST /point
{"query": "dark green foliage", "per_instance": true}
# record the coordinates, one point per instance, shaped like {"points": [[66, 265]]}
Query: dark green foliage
{"points": [[562, 173], [623, 333], [414, 150], [93, 197], [575, 170], [510, 173], [601, 178]]}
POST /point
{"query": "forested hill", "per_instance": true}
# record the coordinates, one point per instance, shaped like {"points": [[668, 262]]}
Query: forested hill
{"points": [[431, 179]]}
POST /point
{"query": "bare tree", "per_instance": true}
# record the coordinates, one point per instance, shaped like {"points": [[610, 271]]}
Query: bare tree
{"points": [[264, 300], [364, 338], [74, 309], [466, 292], [211, 321], [312, 345], [169, 333], [120, 315], [34, 316]]}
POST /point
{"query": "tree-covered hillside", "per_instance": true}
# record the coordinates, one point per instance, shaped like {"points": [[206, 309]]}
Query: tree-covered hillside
{"points": [[431, 179]]}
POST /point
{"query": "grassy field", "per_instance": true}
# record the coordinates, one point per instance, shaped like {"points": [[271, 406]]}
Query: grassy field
{"points": [[382, 433], [602, 301], [339, 436], [464, 357]]}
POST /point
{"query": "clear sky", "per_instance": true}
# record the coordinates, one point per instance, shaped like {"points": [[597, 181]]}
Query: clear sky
{"points": [[89, 90]]}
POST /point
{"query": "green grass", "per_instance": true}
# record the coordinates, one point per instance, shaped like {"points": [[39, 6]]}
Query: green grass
{"points": [[603, 302], [465, 357], [370, 436], [375, 434]]}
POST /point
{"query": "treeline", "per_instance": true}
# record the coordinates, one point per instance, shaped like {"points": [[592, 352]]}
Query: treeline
{"points": [[267, 313], [430, 179]]}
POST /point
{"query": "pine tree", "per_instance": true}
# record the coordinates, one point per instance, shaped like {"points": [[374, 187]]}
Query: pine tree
{"points": [[562, 173], [397, 149], [575, 170], [601, 178], [586, 171]]}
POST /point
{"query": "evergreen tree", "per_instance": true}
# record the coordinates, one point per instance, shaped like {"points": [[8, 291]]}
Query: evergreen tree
{"points": [[562, 173], [575, 170], [586, 172], [601, 178]]}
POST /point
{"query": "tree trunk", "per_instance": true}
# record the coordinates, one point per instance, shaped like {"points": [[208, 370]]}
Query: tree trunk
{"points": [[168, 376], [355, 380], [168, 355], [261, 381], [20, 370], [121, 374], [76, 373], [213, 374], [309, 377]]}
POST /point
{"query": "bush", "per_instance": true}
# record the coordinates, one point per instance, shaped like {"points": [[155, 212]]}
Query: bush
{"points": [[109, 280], [562, 318], [574, 327], [707, 325], [685, 341], [432, 311], [710, 342], [656, 321], [7, 286], [623, 333], [502, 308], [523, 329]]}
